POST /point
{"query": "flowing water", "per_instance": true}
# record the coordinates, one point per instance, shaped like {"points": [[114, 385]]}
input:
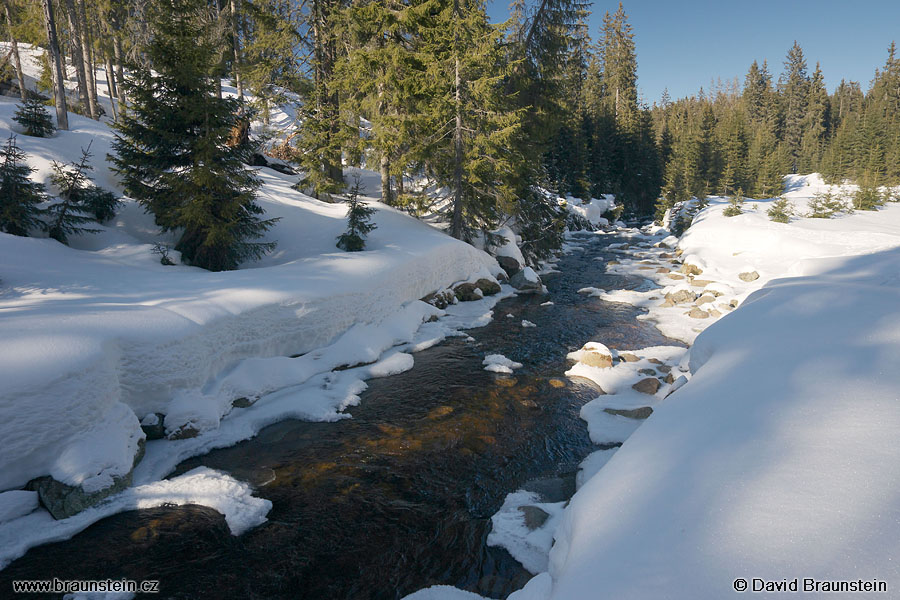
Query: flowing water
{"points": [[400, 496]]}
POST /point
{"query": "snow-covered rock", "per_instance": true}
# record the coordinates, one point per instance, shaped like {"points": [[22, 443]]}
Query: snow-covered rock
{"points": [[500, 364]]}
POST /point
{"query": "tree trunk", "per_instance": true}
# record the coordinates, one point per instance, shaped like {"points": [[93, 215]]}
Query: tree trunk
{"points": [[456, 221], [120, 70], [327, 101], [15, 52], [236, 44], [387, 195], [88, 57], [77, 54], [111, 87], [62, 115]]}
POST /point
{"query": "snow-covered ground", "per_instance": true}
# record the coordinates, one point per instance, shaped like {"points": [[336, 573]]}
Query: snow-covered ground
{"points": [[772, 450], [99, 336]]}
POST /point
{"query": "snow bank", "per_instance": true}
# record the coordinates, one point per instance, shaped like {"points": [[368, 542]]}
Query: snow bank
{"points": [[777, 457], [443, 592], [202, 486], [791, 474], [100, 330]]}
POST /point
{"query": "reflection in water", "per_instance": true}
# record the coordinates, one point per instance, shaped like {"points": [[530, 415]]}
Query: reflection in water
{"points": [[400, 496]]}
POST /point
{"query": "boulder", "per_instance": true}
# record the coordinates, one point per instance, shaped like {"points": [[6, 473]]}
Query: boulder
{"points": [[627, 357], [670, 378], [534, 517], [647, 372], [527, 281], [468, 292], [185, 432], [681, 296], [689, 269], [594, 354], [243, 402], [488, 287], [441, 299], [153, 427], [705, 299], [63, 500], [632, 413], [675, 276], [555, 489], [698, 313], [749, 276], [650, 385], [509, 264], [595, 359]]}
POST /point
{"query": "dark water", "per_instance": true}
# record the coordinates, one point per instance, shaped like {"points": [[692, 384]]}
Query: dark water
{"points": [[400, 496]]}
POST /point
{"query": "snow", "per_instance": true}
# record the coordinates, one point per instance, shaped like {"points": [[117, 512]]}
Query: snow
{"points": [[593, 210], [106, 327], [530, 547], [537, 588], [443, 592], [17, 503], [99, 337], [591, 465], [500, 364], [526, 323], [202, 486], [510, 247], [529, 275], [791, 474], [776, 456]]}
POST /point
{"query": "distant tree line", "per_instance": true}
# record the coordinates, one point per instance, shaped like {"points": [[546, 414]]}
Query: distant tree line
{"points": [[490, 115], [733, 138]]}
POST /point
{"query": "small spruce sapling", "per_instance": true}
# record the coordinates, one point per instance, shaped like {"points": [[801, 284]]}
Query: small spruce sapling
{"points": [[824, 205], [735, 203], [358, 222], [32, 115], [19, 196], [867, 197], [780, 211], [162, 250], [81, 202]]}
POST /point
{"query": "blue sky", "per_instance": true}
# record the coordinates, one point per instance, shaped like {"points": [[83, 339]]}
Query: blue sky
{"points": [[685, 44]]}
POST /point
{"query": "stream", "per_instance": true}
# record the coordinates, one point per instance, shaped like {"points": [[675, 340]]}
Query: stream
{"points": [[400, 496]]}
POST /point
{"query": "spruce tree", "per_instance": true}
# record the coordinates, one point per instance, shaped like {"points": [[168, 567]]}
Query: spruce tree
{"points": [[34, 117], [734, 205], [814, 124], [794, 88], [19, 196], [474, 151], [171, 150], [359, 223], [71, 214], [780, 211]]}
